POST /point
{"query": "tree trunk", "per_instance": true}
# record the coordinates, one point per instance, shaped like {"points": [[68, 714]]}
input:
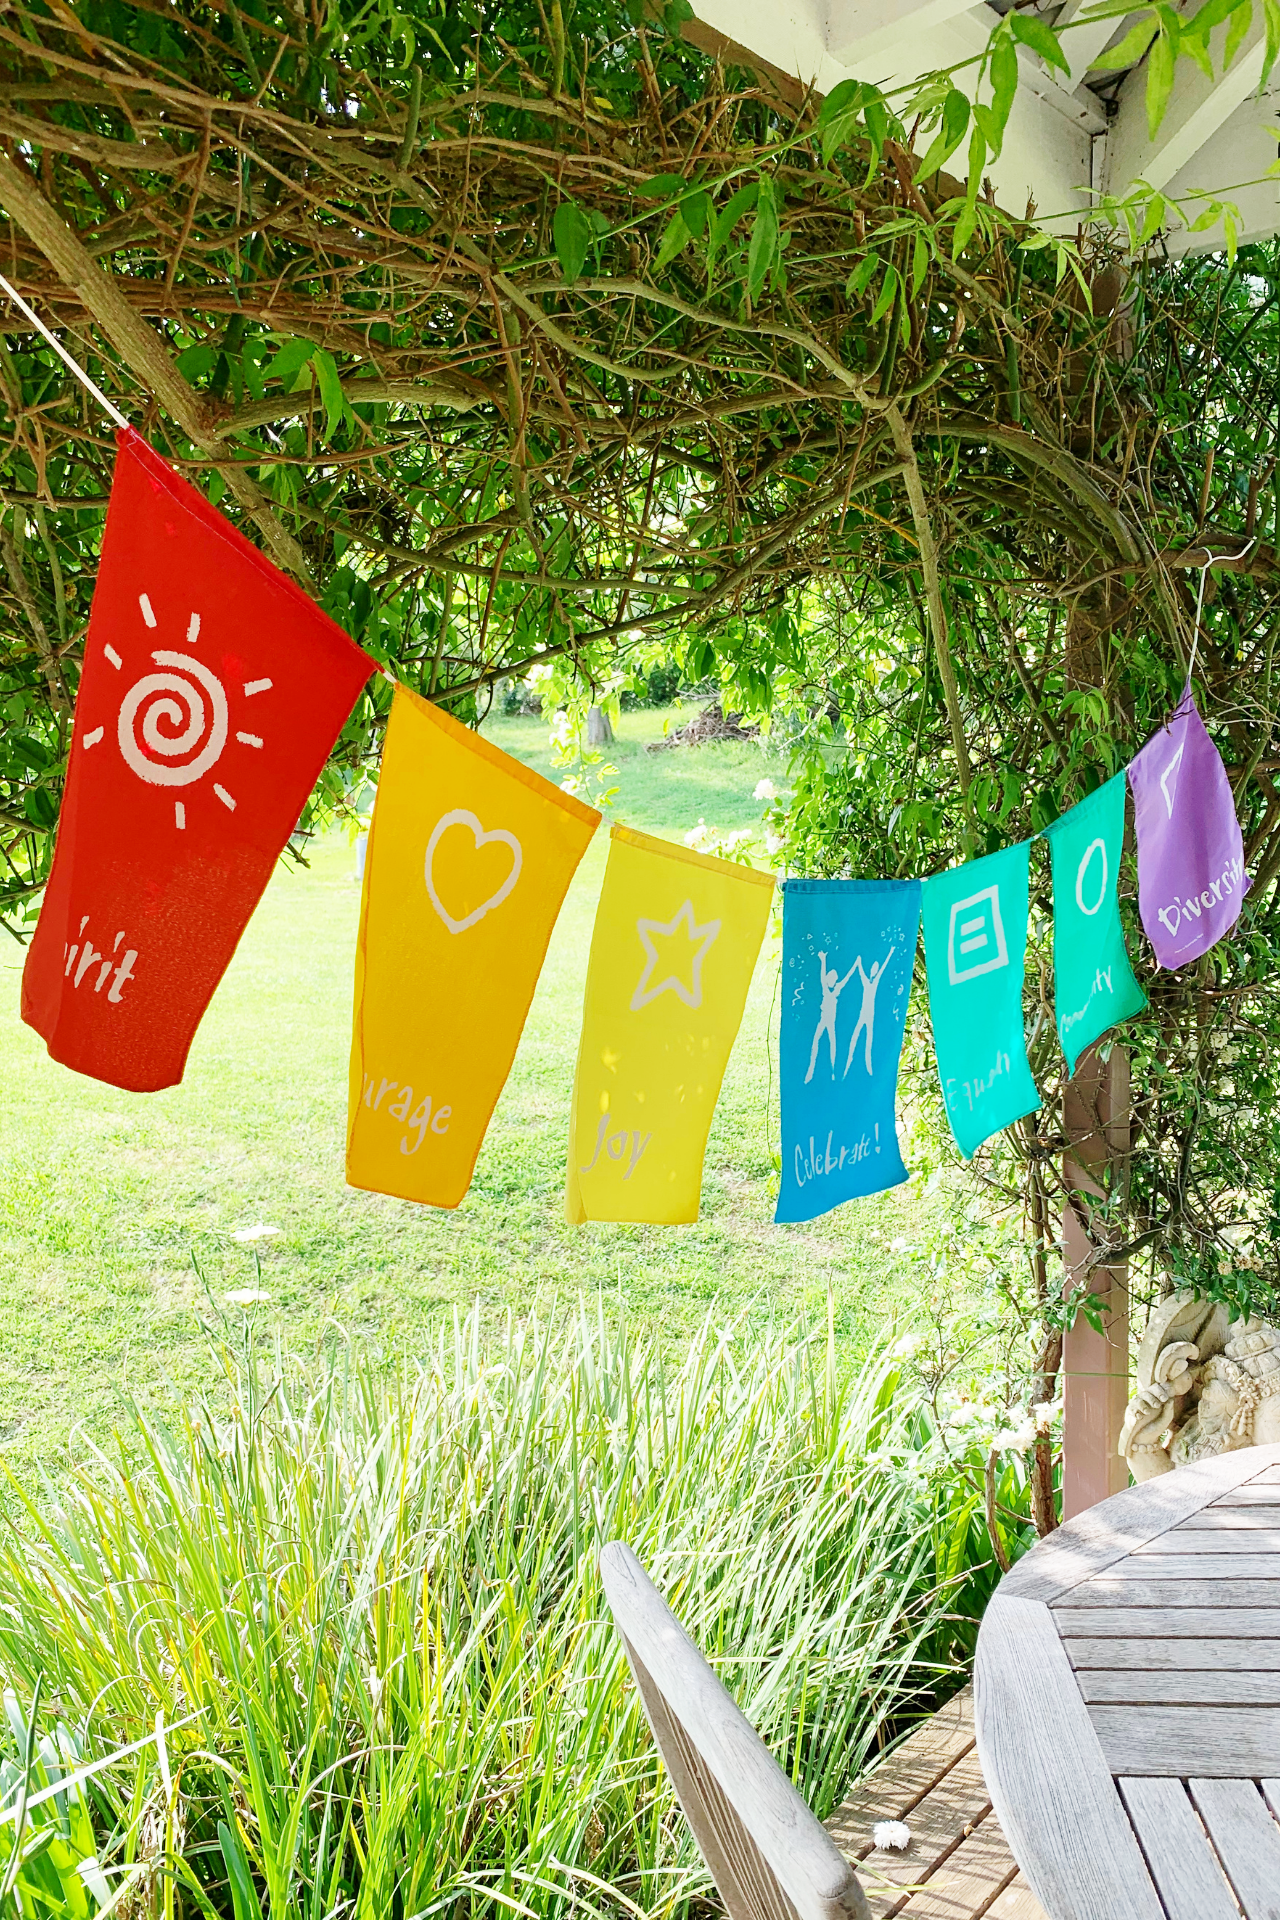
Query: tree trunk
{"points": [[599, 730], [1095, 1363]]}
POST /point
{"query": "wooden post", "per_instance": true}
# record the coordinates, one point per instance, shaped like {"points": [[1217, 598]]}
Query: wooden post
{"points": [[1095, 1366]]}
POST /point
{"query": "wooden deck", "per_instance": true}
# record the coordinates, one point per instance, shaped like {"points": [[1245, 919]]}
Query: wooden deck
{"points": [[958, 1866]]}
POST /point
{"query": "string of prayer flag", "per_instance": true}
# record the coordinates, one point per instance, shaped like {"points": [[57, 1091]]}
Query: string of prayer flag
{"points": [[1093, 984], [675, 944], [975, 945], [211, 693], [1191, 877], [469, 858], [848, 953]]}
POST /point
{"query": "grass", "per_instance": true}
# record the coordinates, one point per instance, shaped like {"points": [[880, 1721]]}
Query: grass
{"points": [[109, 1202], [366, 1619]]}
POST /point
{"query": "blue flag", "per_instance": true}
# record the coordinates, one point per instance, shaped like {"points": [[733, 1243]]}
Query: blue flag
{"points": [[848, 950]]}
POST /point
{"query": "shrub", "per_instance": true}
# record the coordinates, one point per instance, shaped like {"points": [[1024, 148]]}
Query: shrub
{"points": [[377, 1610]]}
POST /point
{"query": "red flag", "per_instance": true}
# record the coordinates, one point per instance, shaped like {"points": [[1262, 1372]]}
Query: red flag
{"points": [[211, 693]]}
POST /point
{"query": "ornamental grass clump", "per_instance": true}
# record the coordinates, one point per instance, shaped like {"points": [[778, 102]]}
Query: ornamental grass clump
{"points": [[364, 1622]]}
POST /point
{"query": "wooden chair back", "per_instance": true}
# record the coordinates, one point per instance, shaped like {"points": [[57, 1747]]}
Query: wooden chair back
{"points": [[770, 1858]]}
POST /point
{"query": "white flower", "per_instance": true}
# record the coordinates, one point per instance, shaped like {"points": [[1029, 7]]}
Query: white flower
{"points": [[245, 1297], [247, 1235], [891, 1833], [772, 844], [765, 790], [898, 1246]]}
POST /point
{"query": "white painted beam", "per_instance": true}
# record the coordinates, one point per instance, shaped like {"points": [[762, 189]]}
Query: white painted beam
{"points": [[878, 33], [1240, 152]]}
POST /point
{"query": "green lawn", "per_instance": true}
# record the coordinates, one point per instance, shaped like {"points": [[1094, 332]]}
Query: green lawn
{"points": [[117, 1210]]}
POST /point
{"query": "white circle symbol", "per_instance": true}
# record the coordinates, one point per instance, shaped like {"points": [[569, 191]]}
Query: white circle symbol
{"points": [[175, 721], [1095, 846]]}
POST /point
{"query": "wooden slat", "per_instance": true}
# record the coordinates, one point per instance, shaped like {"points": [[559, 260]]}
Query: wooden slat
{"points": [[1092, 1541], [951, 1810], [1211, 1540], [1247, 1839], [1226, 1519], [896, 1784], [1109, 1591], [1182, 1862], [1196, 1566], [1017, 1902], [1176, 1656], [1049, 1781], [1269, 1477], [1218, 1742], [975, 1873], [1179, 1687], [1168, 1623], [1259, 1496]]}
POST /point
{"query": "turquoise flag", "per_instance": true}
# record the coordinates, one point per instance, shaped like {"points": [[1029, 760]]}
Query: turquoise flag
{"points": [[975, 947], [1093, 983], [848, 952]]}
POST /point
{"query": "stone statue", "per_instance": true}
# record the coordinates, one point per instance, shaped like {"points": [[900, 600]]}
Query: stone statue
{"points": [[1206, 1384]]}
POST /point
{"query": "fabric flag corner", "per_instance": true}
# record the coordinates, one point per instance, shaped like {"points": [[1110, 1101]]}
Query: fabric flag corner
{"points": [[211, 693], [672, 954], [469, 858], [975, 951], [848, 952], [1191, 877], [1094, 987]]}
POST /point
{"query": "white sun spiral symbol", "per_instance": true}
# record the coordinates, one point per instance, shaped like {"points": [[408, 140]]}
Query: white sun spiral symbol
{"points": [[174, 721], [173, 725]]}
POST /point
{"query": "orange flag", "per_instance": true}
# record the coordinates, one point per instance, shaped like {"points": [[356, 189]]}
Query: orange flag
{"points": [[469, 859]]}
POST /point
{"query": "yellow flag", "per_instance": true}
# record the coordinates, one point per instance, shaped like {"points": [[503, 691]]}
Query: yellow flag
{"points": [[469, 859], [674, 946]]}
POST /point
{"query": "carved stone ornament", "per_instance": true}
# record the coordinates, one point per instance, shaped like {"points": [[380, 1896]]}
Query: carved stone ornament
{"points": [[1206, 1384]]}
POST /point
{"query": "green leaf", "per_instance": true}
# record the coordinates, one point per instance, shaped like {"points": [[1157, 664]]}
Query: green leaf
{"points": [[977, 161], [845, 98], [1127, 52], [727, 219], [1271, 12], [762, 252], [571, 236], [1241, 21], [1198, 49], [919, 264], [674, 240], [1033, 33], [289, 363], [964, 229], [698, 210], [661, 185], [335, 400], [884, 299], [244, 1898], [862, 276], [1004, 87], [1160, 65], [955, 124], [1154, 218]]}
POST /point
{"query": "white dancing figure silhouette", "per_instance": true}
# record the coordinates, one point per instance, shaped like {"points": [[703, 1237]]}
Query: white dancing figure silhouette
{"points": [[867, 1012], [831, 991]]}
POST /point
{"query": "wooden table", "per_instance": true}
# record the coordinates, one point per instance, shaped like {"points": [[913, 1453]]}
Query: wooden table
{"points": [[1127, 1701]]}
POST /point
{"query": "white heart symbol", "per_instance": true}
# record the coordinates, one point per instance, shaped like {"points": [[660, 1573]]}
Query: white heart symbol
{"points": [[461, 818]]}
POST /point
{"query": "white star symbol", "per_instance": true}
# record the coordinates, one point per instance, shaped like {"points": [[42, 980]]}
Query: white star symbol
{"points": [[704, 935]]}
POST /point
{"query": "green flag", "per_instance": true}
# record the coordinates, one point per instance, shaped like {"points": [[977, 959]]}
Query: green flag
{"points": [[975, 944], [1093, 983]]}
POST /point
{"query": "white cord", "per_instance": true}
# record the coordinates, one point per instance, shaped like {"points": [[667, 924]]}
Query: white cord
{"points": [[62, 353], [1212, 561]]}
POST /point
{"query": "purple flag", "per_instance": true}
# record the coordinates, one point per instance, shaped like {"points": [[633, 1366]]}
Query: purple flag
{"points": [[1191, 877]]}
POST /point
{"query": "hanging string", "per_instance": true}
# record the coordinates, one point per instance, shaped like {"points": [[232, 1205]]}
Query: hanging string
{"points": [[1212, 561], [62, 354]]}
